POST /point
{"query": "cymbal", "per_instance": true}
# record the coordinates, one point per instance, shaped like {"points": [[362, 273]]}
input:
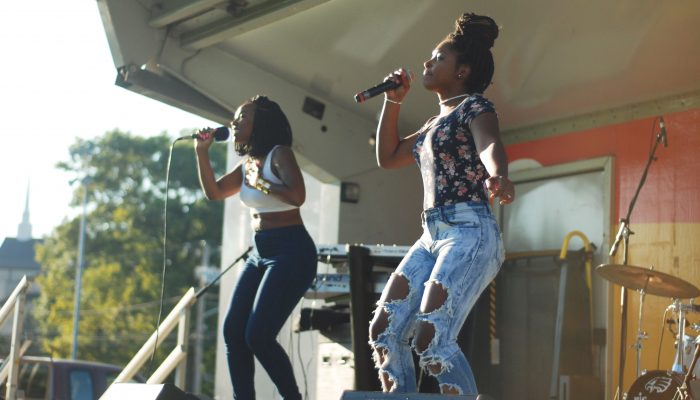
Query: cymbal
{"points": [[653, 282]]}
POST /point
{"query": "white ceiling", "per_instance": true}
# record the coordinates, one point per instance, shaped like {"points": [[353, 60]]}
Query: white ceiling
{"points": [[554, 59]]}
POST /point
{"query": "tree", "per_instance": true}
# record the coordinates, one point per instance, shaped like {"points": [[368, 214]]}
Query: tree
{"points": [[123, 253]]}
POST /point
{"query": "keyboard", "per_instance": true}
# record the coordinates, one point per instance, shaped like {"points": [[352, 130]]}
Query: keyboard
{"points": [[340, 251], [329, 285], [333, 285]]}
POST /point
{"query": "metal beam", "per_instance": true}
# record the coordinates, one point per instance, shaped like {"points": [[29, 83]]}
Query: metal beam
{"points": [[253, 17], [666, 105], [178, 10], [171, 91]]}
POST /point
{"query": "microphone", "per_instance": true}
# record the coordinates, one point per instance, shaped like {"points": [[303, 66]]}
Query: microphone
{"points": [[662, 127], [379, 89], [221, 134]]}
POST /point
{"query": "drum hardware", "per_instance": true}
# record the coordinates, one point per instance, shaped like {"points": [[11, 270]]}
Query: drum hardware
{"points": [[653, 282], [641, 335], [681, 310], [683, 392], [658, 385], [649, 281]]}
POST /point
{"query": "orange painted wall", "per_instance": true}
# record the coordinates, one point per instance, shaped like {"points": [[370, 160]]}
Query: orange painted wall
{"points": [[665, 220], [672, 189]]}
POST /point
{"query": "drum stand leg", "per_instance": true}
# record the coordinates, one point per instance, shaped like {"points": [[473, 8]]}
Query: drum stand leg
{"points": [[678, 365], [683, 392], [641, 335]]}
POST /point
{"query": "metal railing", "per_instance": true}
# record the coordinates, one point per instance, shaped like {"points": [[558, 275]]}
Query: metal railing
{"points": [[177, 359], [180, 316], [14, 303]]}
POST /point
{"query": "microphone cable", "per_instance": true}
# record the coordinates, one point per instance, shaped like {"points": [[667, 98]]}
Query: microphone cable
{"points": [[165, 255]]}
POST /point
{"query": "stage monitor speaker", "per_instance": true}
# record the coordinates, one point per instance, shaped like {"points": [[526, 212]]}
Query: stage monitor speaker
{"points": [[145, 391], [350, 395]]}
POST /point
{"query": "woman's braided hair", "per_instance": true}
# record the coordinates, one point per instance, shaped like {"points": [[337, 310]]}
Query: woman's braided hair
{"points": [[270, 128], [472, 40]]}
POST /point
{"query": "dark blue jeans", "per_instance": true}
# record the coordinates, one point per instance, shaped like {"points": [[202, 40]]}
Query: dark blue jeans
{"points": [[274, 278]]}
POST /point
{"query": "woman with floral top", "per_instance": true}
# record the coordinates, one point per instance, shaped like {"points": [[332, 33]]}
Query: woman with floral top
{"points": [[463, 165]]}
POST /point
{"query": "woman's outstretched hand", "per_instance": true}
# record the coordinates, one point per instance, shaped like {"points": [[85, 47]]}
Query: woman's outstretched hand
{"points": [[501, 187]]}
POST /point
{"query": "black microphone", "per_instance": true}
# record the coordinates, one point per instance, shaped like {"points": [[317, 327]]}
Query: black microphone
{"points": [[379, 89], [221, 134], [662, 126]]}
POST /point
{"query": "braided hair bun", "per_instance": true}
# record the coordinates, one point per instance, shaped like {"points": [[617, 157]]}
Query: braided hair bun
{"points": [[472, 40], [477, 29]]}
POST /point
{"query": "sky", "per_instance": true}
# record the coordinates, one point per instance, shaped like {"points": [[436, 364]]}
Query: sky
{"points": [[57, 84]]}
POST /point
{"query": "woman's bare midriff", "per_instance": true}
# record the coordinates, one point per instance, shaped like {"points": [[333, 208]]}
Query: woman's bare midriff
{"points": [[279, 219]]}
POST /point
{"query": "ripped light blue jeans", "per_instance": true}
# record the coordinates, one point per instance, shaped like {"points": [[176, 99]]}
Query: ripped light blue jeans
{"points": [[461, 251]]}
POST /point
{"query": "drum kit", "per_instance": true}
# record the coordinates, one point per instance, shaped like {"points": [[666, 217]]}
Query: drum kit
{"points": [[661, 384]]}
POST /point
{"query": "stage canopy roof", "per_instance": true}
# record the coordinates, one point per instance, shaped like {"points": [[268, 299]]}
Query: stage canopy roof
{"points": [[561, 66]]}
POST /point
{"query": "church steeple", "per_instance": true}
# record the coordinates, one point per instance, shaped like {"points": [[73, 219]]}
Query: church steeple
{"points": [[24, 230]]}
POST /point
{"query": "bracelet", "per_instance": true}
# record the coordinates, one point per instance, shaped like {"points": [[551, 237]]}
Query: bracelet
{"points": [[263, 186], [392, 101]]}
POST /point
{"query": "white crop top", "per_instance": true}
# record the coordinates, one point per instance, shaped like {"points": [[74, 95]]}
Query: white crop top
{"points": [[258, 201]]}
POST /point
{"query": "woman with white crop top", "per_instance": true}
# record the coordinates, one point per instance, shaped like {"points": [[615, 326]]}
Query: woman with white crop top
{"points": [[283, 263]]}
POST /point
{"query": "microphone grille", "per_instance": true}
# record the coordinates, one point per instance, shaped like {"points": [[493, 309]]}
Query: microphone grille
{"points": [[222, 133]]}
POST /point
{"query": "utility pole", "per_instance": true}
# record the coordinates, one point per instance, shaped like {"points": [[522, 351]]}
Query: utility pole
{"points": [[79, 272]]}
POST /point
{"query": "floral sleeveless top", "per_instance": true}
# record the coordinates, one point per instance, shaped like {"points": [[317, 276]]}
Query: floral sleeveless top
{"points": [[446, 155]]}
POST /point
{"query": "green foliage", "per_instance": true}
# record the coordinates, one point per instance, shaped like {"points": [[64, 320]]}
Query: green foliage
{"points": [[125, 177]]}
